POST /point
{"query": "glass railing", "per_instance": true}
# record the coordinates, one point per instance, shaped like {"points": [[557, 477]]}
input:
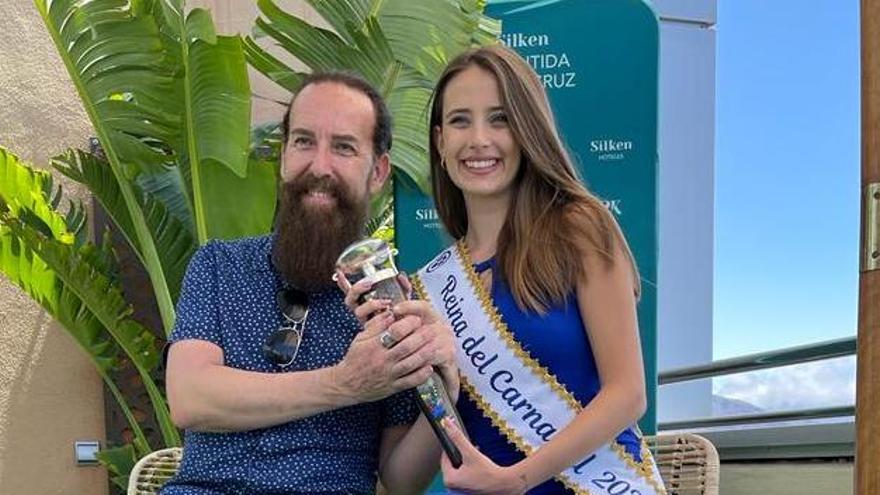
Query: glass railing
{"points": [[837, 355]]}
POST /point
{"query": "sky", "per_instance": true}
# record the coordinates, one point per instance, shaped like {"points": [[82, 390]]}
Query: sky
{"points": [[787, 173], [787, 191]]}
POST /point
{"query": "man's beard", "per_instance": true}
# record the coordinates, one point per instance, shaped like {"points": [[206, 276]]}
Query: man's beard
{"points": [[309, 238]]}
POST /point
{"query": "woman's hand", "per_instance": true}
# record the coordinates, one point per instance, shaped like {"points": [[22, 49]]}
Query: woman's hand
{"points": [[477, 473], [353, 293], [443, 344]]}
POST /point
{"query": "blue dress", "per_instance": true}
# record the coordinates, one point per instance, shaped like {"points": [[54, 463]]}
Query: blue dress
{"points": [[558, 341]]}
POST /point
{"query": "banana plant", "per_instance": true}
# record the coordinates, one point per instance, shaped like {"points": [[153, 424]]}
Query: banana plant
{"points": [[400, 46], [169, 101], [46, 254]]}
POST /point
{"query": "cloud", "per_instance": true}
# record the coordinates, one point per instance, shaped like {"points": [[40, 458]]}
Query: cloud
{"points": [[826, 383]]}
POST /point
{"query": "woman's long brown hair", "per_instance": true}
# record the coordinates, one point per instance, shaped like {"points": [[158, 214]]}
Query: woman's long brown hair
{"points": [[553, 222]]}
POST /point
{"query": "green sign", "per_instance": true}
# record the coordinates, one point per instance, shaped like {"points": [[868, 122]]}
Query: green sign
{"points": [[598, 61]]}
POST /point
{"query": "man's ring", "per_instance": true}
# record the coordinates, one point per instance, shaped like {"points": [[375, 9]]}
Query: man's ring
{"points": [[386, 339]]}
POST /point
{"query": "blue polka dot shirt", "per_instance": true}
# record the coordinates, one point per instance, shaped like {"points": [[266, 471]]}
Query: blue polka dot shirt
{"points": [[228, 298]]}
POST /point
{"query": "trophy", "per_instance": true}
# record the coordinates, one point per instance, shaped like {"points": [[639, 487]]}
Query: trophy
{"points": [[373, 259]]}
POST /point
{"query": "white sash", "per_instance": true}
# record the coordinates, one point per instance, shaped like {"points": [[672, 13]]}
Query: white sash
{"points": [[523, 400]]}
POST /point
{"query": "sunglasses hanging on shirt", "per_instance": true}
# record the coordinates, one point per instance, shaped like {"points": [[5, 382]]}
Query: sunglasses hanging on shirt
{"points": [[282, 346]]}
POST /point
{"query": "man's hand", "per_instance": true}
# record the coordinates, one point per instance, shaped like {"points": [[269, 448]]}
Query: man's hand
{"points": [[442, 344], [371, 372]]}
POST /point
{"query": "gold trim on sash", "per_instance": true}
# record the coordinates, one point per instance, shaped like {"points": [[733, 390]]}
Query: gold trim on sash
{"points": [[494, 316], [644, 469]]}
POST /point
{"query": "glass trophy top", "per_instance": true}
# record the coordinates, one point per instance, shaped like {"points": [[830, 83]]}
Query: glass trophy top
{"points": [[366, 258]]}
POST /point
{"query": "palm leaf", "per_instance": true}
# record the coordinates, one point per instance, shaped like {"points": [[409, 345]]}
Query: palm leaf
{"points": [[410, 152], [170, 188], [32, 275], [383, 218], [104, 300], [173, 240], [246, 205], [176, 245], [24, 189], [116, 62], [217, 123], [324, 50], [270, 66], [91, 172], [170, 104], [426, 34], [27, 201], [216, 108], [344, 16], [119, 461]]}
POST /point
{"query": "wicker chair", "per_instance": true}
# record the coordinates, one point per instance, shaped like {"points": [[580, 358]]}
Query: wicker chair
{"points": [[688, 463], [153, 470]]}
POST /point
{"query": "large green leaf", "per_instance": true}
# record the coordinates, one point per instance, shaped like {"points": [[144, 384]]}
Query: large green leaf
{"points": [[220, 101], [27, 202], [344, 16], [246, 205], [24, 189], [173, 240], [176, 245], [119, 461], [426, 34], [170, 189], [270, 66], [105, 301], [114, 56], [170, 104], [216, 108], [95, 174], [228, 205], [410, 151]]}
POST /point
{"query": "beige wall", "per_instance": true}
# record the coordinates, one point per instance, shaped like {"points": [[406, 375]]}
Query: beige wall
{"points": [[787, 478], [50, 395]]}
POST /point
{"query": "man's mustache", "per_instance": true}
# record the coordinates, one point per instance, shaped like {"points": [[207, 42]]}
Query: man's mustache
{"points": [[309, 183]]}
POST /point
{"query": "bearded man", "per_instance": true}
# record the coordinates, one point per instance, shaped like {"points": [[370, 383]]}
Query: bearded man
{"points": [[278, 386]]}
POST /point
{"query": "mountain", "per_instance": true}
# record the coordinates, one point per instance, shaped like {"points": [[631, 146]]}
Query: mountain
{"points": [[725, 406]]}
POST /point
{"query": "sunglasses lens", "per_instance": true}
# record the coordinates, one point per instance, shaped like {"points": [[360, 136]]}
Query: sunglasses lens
{"points": [[281, 347], [293, 303], [296, 313]]}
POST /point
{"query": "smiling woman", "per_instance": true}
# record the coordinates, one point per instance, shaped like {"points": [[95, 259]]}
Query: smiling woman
{"points": [[539, 290], [478, 149]]}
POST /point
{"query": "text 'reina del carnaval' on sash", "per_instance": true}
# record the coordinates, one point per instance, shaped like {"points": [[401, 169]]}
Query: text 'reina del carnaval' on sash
{"points": [[522, 399]]}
